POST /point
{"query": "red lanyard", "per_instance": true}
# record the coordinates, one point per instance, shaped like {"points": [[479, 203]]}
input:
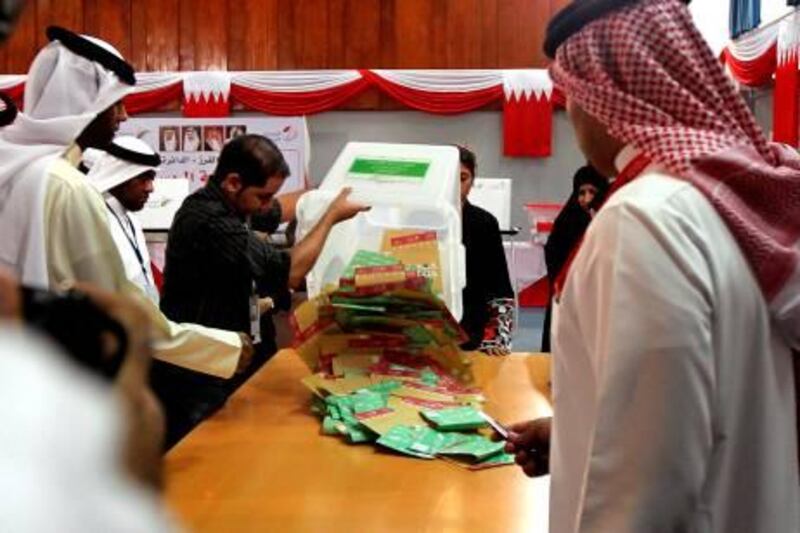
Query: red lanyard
{"points": [[631, 171]]}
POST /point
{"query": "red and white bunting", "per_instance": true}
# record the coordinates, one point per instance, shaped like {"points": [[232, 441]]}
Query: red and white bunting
{"points": [[766, 52], [154, 90], [297, 92], [443, 81], [751, 58], [786, 100], [295, 81], [442, 92], [527, 95]]}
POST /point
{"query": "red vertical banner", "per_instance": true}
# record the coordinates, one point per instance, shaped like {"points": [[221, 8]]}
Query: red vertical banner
{"points": [[786, 103], [527, 125]]}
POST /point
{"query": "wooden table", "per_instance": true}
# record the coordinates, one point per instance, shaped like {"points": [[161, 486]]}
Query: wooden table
{"points": [[260, 464]]}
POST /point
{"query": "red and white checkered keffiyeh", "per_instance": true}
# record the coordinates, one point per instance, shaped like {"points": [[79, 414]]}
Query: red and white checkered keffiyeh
{"points": [[648, 75]]}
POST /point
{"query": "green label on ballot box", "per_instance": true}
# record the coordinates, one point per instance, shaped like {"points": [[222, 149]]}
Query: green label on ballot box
{"points": [[388, 169]]}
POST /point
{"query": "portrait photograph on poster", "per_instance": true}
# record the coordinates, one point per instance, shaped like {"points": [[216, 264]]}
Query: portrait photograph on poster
{"points": [[189, 150]]}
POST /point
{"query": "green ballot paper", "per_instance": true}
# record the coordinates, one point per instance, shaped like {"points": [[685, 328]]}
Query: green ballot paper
{"points": [[417, 441], [455, 419], [331, 426], [401, 439], [476, 446], [365, 258], [366, 401], [500, 459]]}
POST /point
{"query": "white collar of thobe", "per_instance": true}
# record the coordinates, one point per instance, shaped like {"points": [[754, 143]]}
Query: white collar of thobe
{"points": [[116, 205], [126, 223], [123, 218], [625, 156]]}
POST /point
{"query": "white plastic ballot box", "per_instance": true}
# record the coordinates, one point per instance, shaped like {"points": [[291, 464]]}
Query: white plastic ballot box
{"points": [[408, 187]]}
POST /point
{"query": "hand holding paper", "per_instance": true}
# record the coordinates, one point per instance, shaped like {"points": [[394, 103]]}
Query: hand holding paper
{"points": [[530, 444]]}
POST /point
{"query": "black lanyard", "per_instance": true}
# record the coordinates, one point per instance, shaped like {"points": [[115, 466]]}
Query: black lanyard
{"points": [[131, 240]]}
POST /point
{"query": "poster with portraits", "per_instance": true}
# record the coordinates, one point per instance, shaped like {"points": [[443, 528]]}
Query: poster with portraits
{"points": [[189, 150]]}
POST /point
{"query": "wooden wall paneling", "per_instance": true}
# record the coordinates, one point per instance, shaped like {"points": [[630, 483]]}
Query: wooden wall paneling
{"points": [[163, 33], [362, 34], [211, 35], [252, 34], [388, 40], [21, 47], [412, 35], [138, 30], [490, 57], [109, 20], [437, 27], [155, 34], [360, 25], [286, 55], [303, 34], [3, 59], [558, 5], [464, 34], [337, 39], [388, 47], [521, 25], [186, 28], [419, 34], [64, 13]]}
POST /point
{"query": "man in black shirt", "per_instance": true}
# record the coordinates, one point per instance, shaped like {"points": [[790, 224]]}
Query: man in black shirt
{"points": [[488, 297], [219, 273]]}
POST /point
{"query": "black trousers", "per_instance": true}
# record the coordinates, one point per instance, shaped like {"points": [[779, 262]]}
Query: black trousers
{"points": [[188, 397], [548, 318]]}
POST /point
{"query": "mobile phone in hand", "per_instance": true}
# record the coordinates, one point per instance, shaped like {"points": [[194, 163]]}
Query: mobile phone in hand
{"points": [[497, 426]]}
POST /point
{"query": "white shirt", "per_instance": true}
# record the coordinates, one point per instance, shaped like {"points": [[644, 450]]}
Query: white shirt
{"points": [[674, 405], [129, 238], [63, 431]]}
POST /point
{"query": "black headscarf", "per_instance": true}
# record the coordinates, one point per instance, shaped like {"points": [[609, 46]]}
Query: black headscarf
{"points": [[572, 221], [587, 175], [575, 16], [568, 229], [8, 110]]}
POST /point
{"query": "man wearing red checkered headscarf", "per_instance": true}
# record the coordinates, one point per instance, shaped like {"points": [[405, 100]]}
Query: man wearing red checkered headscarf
{"points": [[674, 399]]}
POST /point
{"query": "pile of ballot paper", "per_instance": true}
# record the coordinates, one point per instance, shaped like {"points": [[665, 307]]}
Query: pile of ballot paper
{"points": [[387, 368]]}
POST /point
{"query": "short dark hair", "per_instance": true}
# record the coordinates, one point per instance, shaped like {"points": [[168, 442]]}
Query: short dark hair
{"points": [[254, 158], [467, 158]]}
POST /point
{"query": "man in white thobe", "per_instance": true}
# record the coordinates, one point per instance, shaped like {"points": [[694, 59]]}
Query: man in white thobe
{"points": [[53, 226], [124, 175], [674, 399]]}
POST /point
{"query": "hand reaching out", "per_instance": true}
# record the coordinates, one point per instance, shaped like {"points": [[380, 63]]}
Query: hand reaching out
{"points": [[343, 209]]}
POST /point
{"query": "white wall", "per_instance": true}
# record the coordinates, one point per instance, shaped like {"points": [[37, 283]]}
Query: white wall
{"points": [[548, 179]]}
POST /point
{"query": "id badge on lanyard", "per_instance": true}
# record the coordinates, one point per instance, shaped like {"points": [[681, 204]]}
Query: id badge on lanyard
{"points": [[255, 316]]}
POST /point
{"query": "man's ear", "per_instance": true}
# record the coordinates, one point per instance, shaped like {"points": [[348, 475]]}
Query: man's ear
{"points": [[232, 183]]}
